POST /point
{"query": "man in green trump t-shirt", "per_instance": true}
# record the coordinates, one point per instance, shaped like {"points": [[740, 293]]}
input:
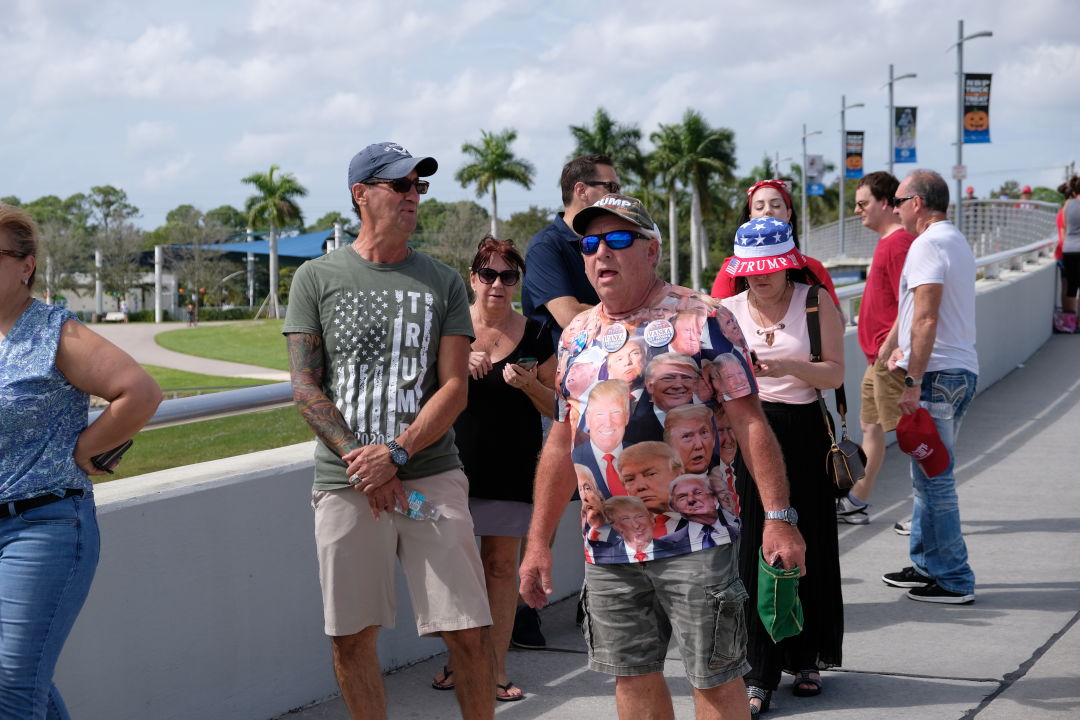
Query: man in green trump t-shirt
{"points": [[378, 339]]}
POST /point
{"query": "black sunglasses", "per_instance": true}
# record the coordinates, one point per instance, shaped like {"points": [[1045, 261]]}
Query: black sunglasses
{"points": [[12, 253], [402, 185], [616, 240], [612, 187], [897, 202], [508, 277]]}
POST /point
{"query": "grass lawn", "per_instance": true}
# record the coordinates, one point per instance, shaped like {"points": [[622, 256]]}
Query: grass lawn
{"points": [[257, 342], [211, 440], [171, 379]]}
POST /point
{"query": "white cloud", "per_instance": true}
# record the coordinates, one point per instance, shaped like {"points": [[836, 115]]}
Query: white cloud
{"points": [[159, 175], [148, 135], [259, 148]]}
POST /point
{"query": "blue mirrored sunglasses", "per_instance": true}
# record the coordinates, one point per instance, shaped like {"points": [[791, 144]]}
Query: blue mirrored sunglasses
{"points": [[616, 240]]}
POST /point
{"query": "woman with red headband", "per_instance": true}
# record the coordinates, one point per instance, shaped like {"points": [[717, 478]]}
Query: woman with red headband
{"points": [[770, 198]]}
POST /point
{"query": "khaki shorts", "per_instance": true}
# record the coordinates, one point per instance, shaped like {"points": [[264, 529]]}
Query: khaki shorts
{"points": [[631, 610], [439, 559], [881, 389]]}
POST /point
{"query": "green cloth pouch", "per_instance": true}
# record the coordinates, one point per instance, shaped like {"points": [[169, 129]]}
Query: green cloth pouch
{"points": [[778, 602]]}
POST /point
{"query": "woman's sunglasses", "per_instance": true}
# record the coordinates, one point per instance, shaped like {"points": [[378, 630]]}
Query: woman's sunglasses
{"points": [[616, 240], [402, 185], [508, 277]]}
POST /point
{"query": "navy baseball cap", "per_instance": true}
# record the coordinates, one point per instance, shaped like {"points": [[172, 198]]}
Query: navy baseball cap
{"points": [[389, 161]]}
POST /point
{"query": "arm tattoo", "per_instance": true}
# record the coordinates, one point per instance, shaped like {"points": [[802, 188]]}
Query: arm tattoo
{"points": [[306, 364]]}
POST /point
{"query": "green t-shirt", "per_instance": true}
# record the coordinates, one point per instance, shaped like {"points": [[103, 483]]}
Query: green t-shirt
{"points": [[381, 325]]}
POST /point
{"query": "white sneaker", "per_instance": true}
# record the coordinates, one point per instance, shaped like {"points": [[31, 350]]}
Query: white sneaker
{"points": [[902, 527], [849, 512]]}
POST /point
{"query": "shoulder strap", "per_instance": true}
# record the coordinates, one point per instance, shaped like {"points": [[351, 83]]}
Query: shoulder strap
{"points": [[813, 329]]}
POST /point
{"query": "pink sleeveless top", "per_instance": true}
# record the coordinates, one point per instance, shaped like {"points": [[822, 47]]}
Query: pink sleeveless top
{"points": [[790, 342]]}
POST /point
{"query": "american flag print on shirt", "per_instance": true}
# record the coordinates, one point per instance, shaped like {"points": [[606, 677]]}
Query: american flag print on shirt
{"points": [[382, 340]]}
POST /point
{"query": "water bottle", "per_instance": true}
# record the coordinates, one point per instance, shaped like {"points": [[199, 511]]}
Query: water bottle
{"points": [[419, 508]]}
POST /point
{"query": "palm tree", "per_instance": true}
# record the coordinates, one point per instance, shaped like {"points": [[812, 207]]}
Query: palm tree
{"points": [[607, 137], [705, 152], [663, 161], [492, 162], [275, 206]]}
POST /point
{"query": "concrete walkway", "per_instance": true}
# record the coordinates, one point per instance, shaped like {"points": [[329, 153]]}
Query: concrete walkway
{"points": [[137, 339], [1014, 653]]}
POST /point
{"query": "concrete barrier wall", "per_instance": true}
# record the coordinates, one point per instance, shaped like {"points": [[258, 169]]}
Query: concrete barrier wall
{"points": [[206, 602]]}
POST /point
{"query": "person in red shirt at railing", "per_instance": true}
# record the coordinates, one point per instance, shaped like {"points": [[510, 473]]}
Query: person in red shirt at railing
{"points": [[771, 198]]}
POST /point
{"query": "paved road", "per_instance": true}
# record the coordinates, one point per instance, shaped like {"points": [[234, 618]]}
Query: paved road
{"points": [[138, 340], [1014, 653]]}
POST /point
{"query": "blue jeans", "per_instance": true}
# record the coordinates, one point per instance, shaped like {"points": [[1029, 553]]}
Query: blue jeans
{"points": [[47, 560], [937, 546]]}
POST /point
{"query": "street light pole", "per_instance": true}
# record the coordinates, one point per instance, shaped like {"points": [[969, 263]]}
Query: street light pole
{"points": [[805, 219], [960, 40], [892, 148], [843, 161]]}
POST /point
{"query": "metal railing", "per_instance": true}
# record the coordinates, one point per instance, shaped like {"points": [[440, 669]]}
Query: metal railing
{"points": [[989, 265], [217, 405], [1006, 235], [990, 225]]}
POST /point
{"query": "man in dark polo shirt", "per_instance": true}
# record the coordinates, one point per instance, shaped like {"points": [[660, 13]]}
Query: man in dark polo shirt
{"points": [[555, 288]]}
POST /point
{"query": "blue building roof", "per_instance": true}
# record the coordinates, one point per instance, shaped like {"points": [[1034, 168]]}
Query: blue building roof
{"points": [[308, 245]]}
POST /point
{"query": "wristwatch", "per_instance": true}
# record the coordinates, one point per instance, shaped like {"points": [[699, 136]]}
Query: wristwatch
{"points": [[912, 382], [398, 455], [788, 515]]}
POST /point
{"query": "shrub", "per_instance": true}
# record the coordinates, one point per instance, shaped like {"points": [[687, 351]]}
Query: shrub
{"points": [[211, 314]]}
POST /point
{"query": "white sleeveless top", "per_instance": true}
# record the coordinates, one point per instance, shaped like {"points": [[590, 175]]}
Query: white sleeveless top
{"points": [[790, 342]]}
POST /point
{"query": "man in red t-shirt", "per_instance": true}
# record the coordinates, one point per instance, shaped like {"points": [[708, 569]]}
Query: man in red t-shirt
{"points": [[880, 387]]}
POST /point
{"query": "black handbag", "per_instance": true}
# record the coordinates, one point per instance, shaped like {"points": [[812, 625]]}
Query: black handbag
{"points": [[845, 462]]}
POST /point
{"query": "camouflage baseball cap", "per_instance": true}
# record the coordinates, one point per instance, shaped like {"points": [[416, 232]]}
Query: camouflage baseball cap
{"points": [[627, 208]]}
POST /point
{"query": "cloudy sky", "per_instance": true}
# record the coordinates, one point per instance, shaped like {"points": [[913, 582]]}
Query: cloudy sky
{"points": [[176, 101]]}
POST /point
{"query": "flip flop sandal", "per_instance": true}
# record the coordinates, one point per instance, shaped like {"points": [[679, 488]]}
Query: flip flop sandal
{"points": [[803, 678], [445, 683], [506, 689]]}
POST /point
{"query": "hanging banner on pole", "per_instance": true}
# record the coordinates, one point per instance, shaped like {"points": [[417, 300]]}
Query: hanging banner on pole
{"points": [[853, 162], [904, 134], [976, 107], [815, 173]]}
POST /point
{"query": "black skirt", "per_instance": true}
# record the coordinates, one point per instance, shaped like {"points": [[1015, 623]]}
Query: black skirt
{"points": [[804, 442]]}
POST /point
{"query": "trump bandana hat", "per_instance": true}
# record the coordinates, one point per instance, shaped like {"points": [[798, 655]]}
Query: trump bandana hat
{"points": [[764, 245], [917, 435]]}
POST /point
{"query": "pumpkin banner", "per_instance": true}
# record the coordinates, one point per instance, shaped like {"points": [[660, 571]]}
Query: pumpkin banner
{"points": [[904, 134], [976, 108], [853, 160]]}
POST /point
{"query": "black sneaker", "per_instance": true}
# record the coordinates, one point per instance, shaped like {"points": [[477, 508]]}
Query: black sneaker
{"points": [[936, 594], [909, 577], [526, 633], [902, 527]]}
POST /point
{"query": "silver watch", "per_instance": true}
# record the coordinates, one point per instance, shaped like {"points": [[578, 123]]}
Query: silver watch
{"points": [[788, 515]]}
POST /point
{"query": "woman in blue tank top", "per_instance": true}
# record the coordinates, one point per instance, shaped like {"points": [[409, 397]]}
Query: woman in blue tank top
{"points": [[49, 365]]}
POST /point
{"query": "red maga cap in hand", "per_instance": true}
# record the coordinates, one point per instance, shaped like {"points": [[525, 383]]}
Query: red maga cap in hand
{"points": [[917, 435]]}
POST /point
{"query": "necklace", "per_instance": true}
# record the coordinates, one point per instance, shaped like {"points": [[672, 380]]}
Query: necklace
{"points": [[769, 332]]}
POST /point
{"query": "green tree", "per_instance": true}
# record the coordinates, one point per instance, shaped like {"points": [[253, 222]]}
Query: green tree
{"points": [[493, 162], [450, 232], [121, 251], [664, 163], [1009, 189], [228, 217], [524, 224], [704, 153], [274, 206], [110, 212], [607, 137], [326, 222], [11, 200]]}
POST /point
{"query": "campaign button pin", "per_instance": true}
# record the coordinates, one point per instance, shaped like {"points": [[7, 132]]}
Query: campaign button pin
{"points": [[614, 337], [658, 333]]}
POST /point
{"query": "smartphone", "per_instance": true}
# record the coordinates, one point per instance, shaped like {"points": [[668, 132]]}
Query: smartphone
{"points": [[526, 363]]}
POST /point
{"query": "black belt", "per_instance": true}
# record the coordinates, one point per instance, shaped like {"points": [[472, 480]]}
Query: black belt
{"points": [[22, 506]]}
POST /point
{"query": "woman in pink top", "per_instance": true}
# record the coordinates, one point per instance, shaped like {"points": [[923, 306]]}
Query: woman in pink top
{"points": [[773, 282]]}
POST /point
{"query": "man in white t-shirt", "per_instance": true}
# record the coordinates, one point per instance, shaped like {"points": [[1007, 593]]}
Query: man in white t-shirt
{"points": [[935, 332]]}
